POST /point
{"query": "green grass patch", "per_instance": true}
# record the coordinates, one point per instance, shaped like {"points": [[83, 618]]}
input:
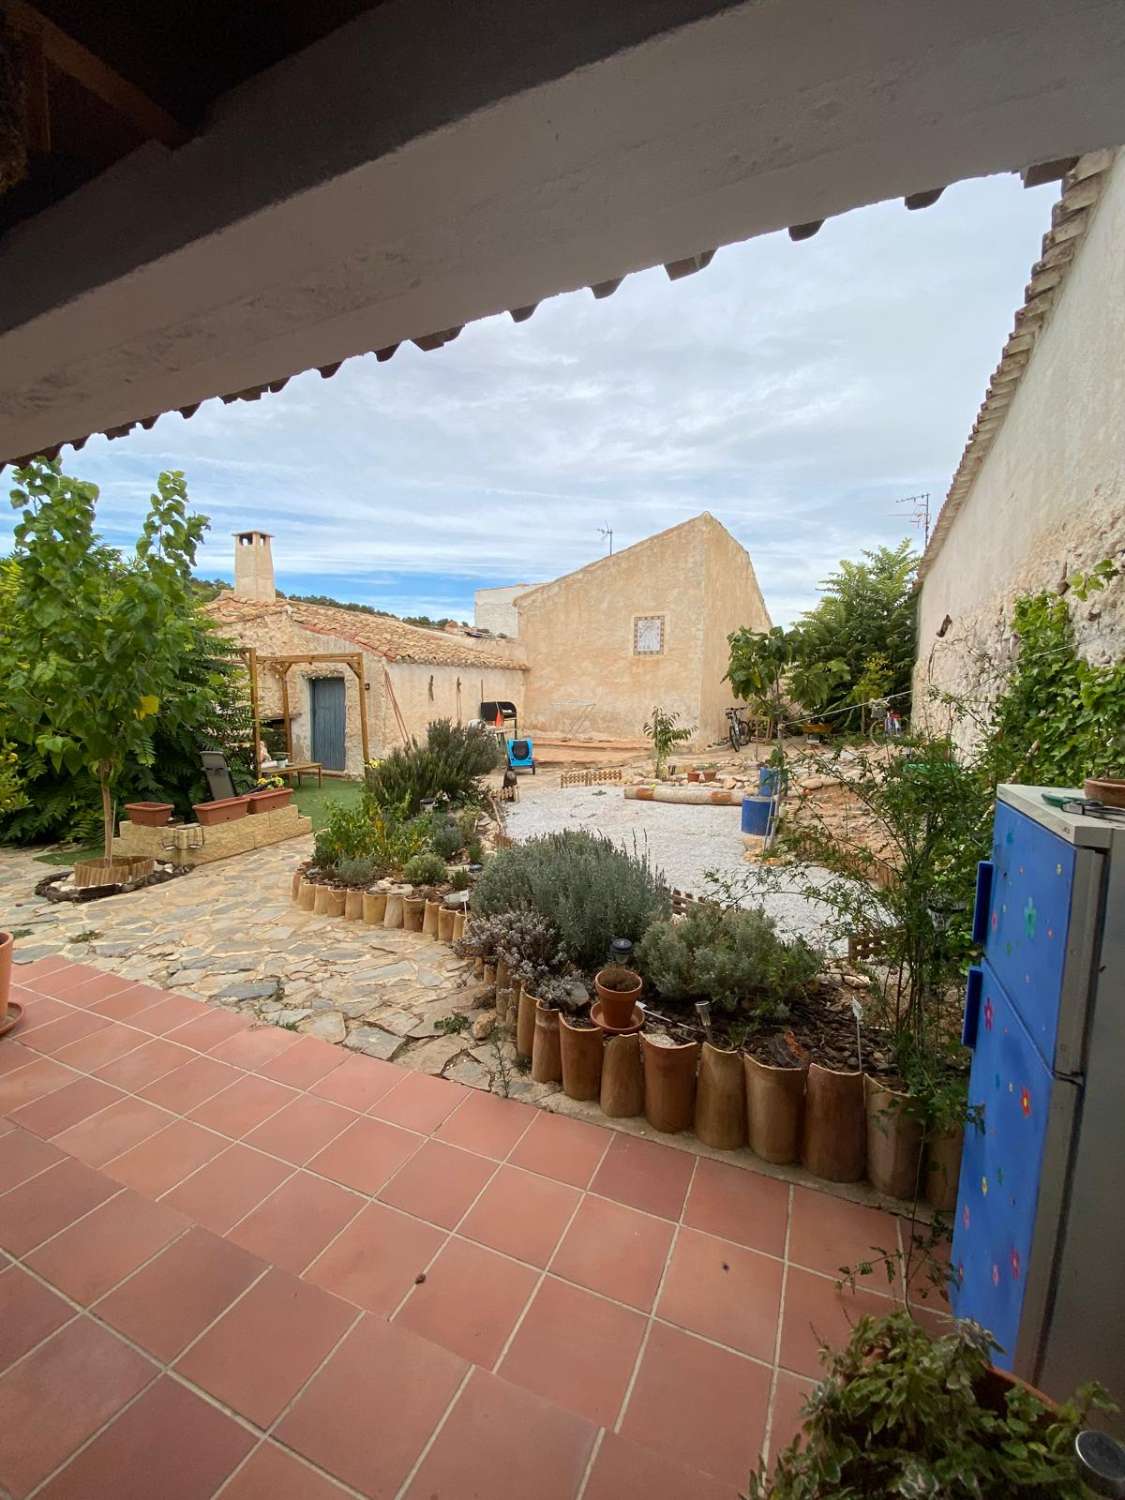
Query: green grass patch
{"points": [[314, 801], [70, 856]]}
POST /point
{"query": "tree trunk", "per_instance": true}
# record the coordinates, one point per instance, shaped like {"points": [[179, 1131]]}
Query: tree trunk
{"points": [[107, 811]]}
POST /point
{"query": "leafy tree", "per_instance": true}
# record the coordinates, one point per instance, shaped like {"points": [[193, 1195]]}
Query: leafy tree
{"points": [[758, 663], [665, 734], [93, 645]]}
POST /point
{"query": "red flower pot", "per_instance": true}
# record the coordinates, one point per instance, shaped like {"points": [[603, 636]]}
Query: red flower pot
{"points": [[271, 800], [149, 814], [225, 810]]}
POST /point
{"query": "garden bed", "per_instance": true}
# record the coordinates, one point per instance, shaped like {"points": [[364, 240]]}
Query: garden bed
{"points": [[55, 887]]}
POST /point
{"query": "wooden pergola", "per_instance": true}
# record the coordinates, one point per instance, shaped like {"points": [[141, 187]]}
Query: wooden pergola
{"points": [[280, 665]]}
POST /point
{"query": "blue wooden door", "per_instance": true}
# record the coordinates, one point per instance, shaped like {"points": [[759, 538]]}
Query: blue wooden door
{"points": [[329, 717]]}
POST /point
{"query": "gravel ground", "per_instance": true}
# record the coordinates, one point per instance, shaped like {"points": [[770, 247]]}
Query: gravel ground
{"points": [[682, 840]]}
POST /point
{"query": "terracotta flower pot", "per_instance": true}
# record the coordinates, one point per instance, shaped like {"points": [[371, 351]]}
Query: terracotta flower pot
{"points": [[525, 1023], [337, 900], [446, 918], [374, 908], [394, 911], [430, 919], [114, 871], [582, 1048], [943, 1169], [834, 1143], [720, 1099], [710, 775], [353, 906], [149, 814], [775, 1109], [1107, 789], [413, 912], [459, 926], [295, 883], [225, 810], [623, 1079], [271, 800], [546, 1051], [695, 775], [7, 943], [894, 1141], [320, 900], [669, 1083], [306, 896], [618, 990]]}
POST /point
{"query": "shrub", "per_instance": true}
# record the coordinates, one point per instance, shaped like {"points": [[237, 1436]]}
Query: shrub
{"points": [[449, 765], [735, 959], [446, 836], [424, 869], [357, 871], [588, 888], [347, 834], [384, 837]]}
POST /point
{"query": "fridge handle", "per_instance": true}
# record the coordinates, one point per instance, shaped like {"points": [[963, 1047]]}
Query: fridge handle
{"points": [[973, 987], [985, 869]]}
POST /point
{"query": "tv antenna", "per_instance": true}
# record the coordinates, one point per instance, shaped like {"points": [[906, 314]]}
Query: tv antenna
{"points": [[607, 532], [919, 514]]}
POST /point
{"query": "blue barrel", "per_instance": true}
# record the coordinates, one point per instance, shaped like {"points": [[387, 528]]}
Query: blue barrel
{"points": [[756, 814], [769, 780]]}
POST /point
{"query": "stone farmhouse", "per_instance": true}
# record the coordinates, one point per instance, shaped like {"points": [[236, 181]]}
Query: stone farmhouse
{"points": [[1040, 490], [584, 657]]}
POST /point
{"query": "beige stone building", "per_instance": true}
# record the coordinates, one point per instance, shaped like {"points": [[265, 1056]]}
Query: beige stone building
{"points": [[1040, 491], [647, 625], [410, 676]]}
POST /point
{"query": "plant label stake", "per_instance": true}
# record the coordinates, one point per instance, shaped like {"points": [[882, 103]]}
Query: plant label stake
{"points": [[857, 1012], [703, 1011]]}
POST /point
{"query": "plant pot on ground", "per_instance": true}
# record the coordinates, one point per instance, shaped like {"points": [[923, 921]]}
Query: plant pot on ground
{"points": [[225, 810], [670, 1069], [149, 814], [413, 913], [775, 1109], [7, 943], [834, 1140], [894, 1139], [720, 1100], [618, 989], [430, 918], [374, 908]]}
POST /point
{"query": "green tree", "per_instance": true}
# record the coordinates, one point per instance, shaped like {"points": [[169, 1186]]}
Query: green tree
{"points": [[662, 729], [93, 645]]}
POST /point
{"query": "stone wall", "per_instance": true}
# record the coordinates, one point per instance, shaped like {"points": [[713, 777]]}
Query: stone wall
{"points": [[1048, 496], [731, 599]]}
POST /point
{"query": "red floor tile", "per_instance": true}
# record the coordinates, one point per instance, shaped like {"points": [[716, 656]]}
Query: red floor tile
{"points": [[258, 1355], [567, 1150], [127, 1003], [23, 1156], [375, 1260], [208, 1031], [172, 1299], [645, 1175], [168, 1012], [700, 1406], [826, 1233], [39, 968], [785, 1418], [305, 1063], [487, 1124], [227, 1188], [624, 1471], [13, 1056], [616, 1251], [165, 1158], [738, 1205], [358, 1082], [59, 1395], [29, 1311], [170, 1443], [39, 1011], [521, 1214], [438, 1183], [379, 1368], [184, 1089], [250, 1049], [270, 1473], [110, 1132], [293, 1225], [242, 1106], [29, 1214], [101, 1047], [366, 1155], [815, 1312], [301, 1128], [92, 1256], [90, 991], [469, 1302], [419, 1102], [40, 1078], [55, 1035], [723, 1291], [62, 979], [576, 1349], [60, 1110], [136, 1070], [505, 1443]]}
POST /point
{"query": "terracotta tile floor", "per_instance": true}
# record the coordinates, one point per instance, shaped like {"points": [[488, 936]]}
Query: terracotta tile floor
{"points": [[238, 1262]]}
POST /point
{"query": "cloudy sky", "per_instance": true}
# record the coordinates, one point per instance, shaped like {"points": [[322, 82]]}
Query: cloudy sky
{"points": [[794, 390]]}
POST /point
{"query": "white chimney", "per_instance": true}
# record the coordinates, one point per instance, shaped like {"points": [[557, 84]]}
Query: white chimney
{"points": [[253, 566]]}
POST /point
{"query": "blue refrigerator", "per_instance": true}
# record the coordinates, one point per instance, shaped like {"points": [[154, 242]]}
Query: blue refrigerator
{"points": [[1039, 1234]]}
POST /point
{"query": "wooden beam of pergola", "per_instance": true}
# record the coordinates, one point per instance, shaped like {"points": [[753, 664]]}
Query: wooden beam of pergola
{"points": [[282, 664], [97, 77]]}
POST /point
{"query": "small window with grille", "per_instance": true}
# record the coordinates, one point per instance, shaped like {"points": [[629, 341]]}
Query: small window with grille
{"points": [[648, 635]]}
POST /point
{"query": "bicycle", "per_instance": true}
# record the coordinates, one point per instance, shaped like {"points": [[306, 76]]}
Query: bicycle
{"points": [[738, 729]]}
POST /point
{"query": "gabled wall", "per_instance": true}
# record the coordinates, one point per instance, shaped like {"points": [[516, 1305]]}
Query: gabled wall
{"points": [[731, 599]]}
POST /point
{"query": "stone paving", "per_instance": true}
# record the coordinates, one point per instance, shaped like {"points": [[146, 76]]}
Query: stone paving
{"points": [[228, 933]]}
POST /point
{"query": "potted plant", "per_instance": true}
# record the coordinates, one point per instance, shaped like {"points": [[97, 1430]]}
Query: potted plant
{"points": [[581, 1042], [710, 771], [223, 810], [149, 814], [618, 991], [665, 732], [903, 1413], [694, 774], [268, 794], [7, 942]]}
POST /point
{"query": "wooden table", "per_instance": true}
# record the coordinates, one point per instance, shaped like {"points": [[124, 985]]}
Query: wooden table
{"points": [[297, 768]]}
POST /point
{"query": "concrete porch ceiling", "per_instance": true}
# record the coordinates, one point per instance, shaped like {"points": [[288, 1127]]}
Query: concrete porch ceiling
{"points": [[426, 164]]}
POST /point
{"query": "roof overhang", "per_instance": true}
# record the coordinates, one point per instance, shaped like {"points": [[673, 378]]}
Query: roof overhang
{"points": [[426, 165]]}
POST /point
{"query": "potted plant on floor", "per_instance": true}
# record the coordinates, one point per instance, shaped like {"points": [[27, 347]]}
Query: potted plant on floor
{"points": [[903, 1413], [269, 794], [7, 943], [149, 814], [665, 732]]}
